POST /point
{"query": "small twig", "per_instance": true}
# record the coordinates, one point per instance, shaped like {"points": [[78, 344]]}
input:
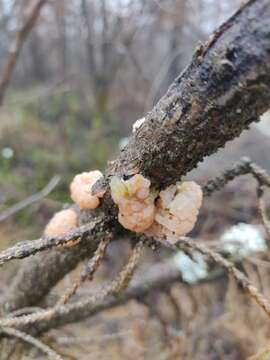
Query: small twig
{"points": [[30, 247], [123, 279], [88, 272], [33, 341], [21, 37], [175, 306], [243, 167], [70, 340], [230, 267], [262, 213], [23, 311], [155, 313], [114, 288], [259, 173], [31, 199], [156, 278]]}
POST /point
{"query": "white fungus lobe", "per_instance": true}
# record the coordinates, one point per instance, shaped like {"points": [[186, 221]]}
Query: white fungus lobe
{"points": [[177, 210], [62, 223], [80, 190], [173, 214], [136, 205]]}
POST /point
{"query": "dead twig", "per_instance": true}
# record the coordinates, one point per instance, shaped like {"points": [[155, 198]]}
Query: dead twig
{"points": [[263, 214], [89, 270], [31, 199], [30, 247], [21, 37], [242, 280], [32, 341], [243, 167], [114, 288], [156, 278]]}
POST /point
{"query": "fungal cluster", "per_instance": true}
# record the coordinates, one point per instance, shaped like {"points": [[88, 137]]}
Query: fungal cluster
{"points": [[170, 213], [65, 221], [81, 190], [61, 223], [135, 202], [177, 209]]}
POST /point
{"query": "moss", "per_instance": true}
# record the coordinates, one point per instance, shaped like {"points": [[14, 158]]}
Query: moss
{"points": [[56, 135]]}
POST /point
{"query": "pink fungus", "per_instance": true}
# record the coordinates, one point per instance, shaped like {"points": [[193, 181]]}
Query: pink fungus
{"points": [[177, 210], [136, 205], [80, 190], [62, 223]]}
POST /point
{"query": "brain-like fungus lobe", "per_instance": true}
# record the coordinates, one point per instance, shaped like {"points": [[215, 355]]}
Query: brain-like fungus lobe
{"points": [[62, 223], [135, 202], [81, 190], [173, 213], [177, 209]]}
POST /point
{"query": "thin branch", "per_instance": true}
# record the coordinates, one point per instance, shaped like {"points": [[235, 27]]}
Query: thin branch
{"points": [[30, 247], [31, 199], [89, 270], [20, 40], [114, 288], [158, 277], [23, 311], [263, 214], [243, 167], [242, 280], [32, 341]]}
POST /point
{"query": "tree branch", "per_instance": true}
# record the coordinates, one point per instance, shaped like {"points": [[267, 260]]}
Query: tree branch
{"points": [[19, 42], [30, 199], [32, 341], [243, 167], [30, 247], [41, 273], [223, 90]]}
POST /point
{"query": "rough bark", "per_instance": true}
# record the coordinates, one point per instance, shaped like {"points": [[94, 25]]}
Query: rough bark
{"points": [[223, 90]]}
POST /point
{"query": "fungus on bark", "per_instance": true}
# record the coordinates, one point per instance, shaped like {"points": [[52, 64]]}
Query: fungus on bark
{"points": [[80, 190], [135, 202], [62, 223], [177, 210]]}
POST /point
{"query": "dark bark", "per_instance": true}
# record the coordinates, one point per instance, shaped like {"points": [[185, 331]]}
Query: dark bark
{"points": [[223, 90]]}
